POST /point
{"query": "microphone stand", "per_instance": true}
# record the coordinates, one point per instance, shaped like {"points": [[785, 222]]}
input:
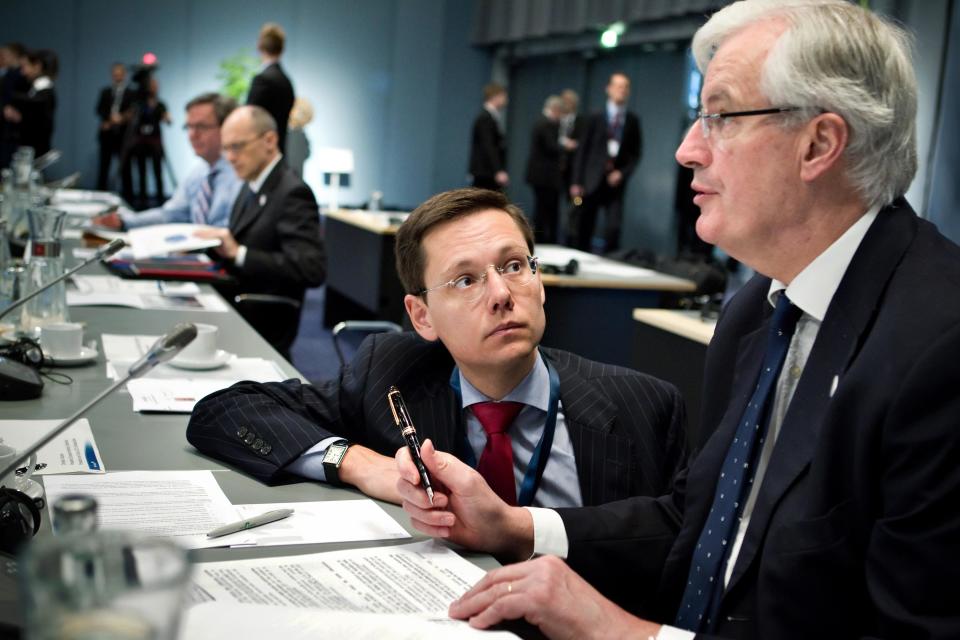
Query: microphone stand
{"points": [[104, 252], [164, 349]]}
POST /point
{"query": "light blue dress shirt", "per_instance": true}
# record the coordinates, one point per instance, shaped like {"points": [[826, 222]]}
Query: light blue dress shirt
{"points": [[560, 485], [179, 208]]}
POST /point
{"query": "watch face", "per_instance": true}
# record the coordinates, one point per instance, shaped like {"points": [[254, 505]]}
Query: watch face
{"points": [[334, 454]]}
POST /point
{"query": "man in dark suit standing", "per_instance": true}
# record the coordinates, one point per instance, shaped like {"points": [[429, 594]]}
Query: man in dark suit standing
{"points": [[271, 88], [11, 82], [273, 244], [824, 504], [580, 432], [488, 146], [606, 157], [543, 170], [113, 109]]}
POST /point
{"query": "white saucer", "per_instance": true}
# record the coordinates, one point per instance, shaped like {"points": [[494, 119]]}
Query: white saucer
{"points": [[219, 359], [86, 355]]}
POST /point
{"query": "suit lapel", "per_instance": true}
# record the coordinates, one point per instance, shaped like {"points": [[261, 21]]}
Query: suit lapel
{"points": [[243, 216], [842, 333], [590, 417]]}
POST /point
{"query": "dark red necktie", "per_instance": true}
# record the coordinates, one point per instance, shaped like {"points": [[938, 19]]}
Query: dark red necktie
{"points": [[496, 461]]}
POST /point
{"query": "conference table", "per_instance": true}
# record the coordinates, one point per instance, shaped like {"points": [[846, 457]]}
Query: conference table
{"points": [[588, 312], [156, 441]]}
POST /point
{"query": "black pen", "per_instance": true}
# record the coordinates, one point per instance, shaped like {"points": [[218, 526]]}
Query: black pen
{"points": [[402, 417]]}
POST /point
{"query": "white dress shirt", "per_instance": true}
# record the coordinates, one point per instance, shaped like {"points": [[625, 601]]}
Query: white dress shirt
{"points": [[811, 290]]}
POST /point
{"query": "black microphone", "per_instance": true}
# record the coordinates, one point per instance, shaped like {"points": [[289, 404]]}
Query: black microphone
{"points": [[162, 350], [102, 253]]}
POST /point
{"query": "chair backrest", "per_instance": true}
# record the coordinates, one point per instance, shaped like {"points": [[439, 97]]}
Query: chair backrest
{"points": [[366, 326]]}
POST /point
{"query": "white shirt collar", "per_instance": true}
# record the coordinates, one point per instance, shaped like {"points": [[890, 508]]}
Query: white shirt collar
{"points": [[813, 288], [256, 184], [613, 108], [41, 83]]}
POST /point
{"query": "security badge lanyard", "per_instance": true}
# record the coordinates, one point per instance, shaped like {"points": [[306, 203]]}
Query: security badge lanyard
{"points": [[538, 461]]}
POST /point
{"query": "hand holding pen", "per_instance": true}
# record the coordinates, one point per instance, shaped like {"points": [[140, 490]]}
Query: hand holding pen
{"points": [[402, 419]]}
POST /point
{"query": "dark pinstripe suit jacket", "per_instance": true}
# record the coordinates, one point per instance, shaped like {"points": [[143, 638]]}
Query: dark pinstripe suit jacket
{"points": [[627, 428]]}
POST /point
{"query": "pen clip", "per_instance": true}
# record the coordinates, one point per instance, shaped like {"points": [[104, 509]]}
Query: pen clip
{"points": [[400, 414]]}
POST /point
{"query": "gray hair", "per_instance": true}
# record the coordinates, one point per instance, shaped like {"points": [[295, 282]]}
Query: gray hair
{"points": [[838, 57], [554, 103], [261, 118], [222, 105]]}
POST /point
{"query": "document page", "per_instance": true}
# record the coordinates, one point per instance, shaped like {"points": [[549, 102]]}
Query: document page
{"points": [[112, 291], [319, 522], [161, 239], [424, 577], [181, 505], [73, 451], [222, 621]]}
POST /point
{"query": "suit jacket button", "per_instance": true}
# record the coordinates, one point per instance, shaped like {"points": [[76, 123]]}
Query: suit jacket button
{"points": [[250, 437], [257, 443], [265, 450], [242, 431]]}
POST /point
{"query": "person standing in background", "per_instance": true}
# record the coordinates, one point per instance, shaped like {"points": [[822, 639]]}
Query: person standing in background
{"points": [[34, 109], [488, 146], [271, 88], [113, 108], [571, 130], [148, 141], [543, 170], [11, 81], [608, 153]]}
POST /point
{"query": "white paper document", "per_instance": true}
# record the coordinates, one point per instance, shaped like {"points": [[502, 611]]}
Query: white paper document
{"points": [[64, 196], [98, 291], [151, 395], [164, 239], [181, 505], [73, 451], [319, 522], [228, 621], [424, 577]]}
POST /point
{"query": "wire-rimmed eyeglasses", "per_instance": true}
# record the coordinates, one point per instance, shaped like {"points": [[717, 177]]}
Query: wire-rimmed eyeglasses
{"points": [[714, 122], [469, 287]]}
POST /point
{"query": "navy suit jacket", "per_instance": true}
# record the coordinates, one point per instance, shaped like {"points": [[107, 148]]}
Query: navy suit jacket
{"points": [[488, 148], [590, 162], [272, 90], [627, 428], [856, 529], [285, 252]]}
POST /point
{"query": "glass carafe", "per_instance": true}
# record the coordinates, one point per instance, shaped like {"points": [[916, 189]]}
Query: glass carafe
{"points": [[44, 264]]}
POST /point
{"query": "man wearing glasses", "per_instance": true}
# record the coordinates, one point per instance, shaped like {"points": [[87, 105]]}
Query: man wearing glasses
{"points": [[824, 505], [272, 244], [207, 194], [544, 426]]}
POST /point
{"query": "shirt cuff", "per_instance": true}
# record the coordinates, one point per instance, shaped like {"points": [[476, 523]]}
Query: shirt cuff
{"points": [[672, 633], [549, 534], [241, 256], [310, 463]]}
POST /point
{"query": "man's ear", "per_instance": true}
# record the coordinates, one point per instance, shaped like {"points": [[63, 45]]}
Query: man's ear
{"points": [[419, 314], [824, 144]]}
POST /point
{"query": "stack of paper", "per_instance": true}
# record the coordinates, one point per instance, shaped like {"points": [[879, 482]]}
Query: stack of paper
{"points": [[141, 294], [181, 505], [172, 390]]}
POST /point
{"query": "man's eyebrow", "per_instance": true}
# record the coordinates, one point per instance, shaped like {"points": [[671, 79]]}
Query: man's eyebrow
{"points": [[466, 262]]}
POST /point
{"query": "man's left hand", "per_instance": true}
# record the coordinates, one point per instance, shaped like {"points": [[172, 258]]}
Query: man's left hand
{"points": [[11, 114], [550, 595], [228, 244], [614, 178]]}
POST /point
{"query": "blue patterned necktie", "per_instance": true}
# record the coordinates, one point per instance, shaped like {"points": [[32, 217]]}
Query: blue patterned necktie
{"points": [[701, 597], [203, 198]]}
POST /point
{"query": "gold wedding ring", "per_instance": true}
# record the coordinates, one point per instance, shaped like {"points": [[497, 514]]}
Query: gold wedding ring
{"points": [[509, 587]]}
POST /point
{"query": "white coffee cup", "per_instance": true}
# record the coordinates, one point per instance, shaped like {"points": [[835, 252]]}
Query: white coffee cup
{"points": [[7, 456], [62, 339], [203, 348]]}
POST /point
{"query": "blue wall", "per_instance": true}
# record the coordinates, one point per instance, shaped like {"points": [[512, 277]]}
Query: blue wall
{"points": [[380, 75]]}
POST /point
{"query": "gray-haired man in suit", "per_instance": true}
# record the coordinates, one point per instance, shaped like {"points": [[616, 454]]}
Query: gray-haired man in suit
{"points": [[573, 432]]}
